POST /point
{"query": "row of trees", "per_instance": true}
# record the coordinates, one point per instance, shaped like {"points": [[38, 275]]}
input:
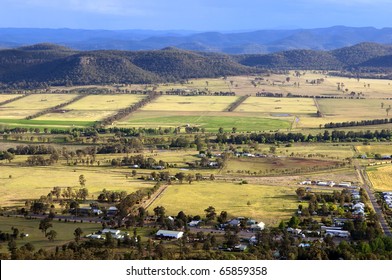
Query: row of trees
{"points": [[358, 123]]}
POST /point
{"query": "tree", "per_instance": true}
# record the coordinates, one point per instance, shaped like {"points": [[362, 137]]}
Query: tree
{"points": [[222, 217], [44, 225], [387, 110], [220, 130], [51, 235], [210, 213], [78, 233], [300, 192], [82, 181], [8, 156]]}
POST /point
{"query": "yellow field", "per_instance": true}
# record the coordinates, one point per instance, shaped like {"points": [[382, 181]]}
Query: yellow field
{"points": [[190, 103], [5, 97], [381, 178], [276, 106], [32, 104], [269, 204], [374, 148], [32, 182], [76, 115], [94, 107], [109, 102]]}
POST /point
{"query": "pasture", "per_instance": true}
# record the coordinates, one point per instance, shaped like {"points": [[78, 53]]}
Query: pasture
{"points": [[375, 148], [5, 97], [32, 182], [190, 103], [278, 106], [32, 104], [269, 204], [381, 178], [36, 237], [210, 121], [93, 107]]}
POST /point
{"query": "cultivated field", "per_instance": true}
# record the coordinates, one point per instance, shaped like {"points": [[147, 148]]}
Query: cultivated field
{"points": [[190, 103], [269, 204], [375, 148], [93, 107], [32, 104], [381, 177], [5, 97]]}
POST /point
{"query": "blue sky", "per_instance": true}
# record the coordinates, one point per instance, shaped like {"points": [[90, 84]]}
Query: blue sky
{"points": [[199, 15]]}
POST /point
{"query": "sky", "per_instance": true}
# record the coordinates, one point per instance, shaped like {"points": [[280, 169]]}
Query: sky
{"points": [[197, 15]]}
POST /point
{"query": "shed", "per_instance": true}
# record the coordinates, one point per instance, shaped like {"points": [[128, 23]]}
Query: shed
{"points": [[169, 234]]}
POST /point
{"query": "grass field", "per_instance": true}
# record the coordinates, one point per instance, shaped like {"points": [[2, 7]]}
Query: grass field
{"points": [[278, 106], [269, 204], [32, 182], [209, 121], [36, 237], [190, 103], [381, 177], [375, 148], [38, 123], [5, 97], [32, 104], [94, 107]]}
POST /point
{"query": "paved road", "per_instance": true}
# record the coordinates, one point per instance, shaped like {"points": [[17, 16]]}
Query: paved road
{"points": [[377, 208]]}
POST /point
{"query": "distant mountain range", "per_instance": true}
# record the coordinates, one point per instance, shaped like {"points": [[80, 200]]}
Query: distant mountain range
{"points": [[50, 64], [254, 42]]}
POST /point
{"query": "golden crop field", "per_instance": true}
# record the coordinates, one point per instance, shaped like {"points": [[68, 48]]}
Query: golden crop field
{"points": [[5, 97], [94, 107], [32, 182], [32, 104], [381, 178], [269, 204], [375, 148], [190, 103], [278, 106]]}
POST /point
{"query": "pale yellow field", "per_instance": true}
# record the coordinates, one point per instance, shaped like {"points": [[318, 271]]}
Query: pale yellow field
{"points": [[269, 204], [381, 178], [278, 106], [5, 97], [32, 182], [190, 103], [112, 102], [374, 148], [32, 104], [77, 115]]}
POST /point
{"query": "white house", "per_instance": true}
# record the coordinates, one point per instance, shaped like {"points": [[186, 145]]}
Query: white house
{"points": [[169, 234], [194, 223], [111, 231], [258, 226]]}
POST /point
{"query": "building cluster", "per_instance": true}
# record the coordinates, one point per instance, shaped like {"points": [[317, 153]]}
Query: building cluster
{"points": [[387, 198], [322, 183]]}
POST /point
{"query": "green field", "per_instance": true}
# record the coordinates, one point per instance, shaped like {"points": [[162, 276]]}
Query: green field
{"points": [[36, 237], [269, 204], [209, 121], [38, 123]]}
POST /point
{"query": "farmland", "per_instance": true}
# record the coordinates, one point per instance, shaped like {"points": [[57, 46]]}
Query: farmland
{"points": [[381, 178], [267, 203]]}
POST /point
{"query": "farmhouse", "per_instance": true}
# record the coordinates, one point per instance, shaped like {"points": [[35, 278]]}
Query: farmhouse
{"points": [[169, 234], [194, 223]]}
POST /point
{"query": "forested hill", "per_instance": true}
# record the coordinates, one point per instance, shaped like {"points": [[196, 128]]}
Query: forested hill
{"points": [[57, 65], [48, 64], [361, 55]]}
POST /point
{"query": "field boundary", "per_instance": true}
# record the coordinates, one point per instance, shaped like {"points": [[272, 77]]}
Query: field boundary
{"points": [[53, 109], [14, 99], [237, 103]]}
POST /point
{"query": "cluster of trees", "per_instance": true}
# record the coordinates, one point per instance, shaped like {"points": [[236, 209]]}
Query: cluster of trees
{"points": [[139, 160], [269, 94], [280, 137], [198, 93], [358, 123]]}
